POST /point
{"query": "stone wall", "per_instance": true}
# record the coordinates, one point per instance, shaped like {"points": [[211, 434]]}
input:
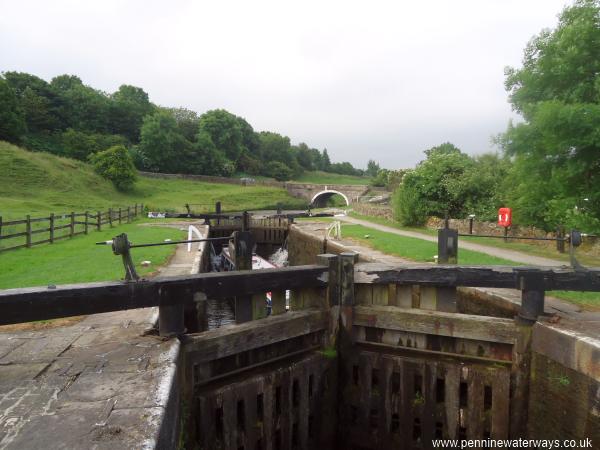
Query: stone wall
{"points": [[366, 209]]}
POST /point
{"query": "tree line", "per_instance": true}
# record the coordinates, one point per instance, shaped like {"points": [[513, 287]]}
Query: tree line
{"points": [[548, 169], [68, 118]]}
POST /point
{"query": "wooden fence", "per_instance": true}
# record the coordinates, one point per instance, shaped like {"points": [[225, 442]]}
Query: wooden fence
{"points": [[22, 233]]}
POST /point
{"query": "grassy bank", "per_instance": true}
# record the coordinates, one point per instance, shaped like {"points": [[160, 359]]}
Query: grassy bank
{"points": [[79, 260], [41, 183], [319, 177]]}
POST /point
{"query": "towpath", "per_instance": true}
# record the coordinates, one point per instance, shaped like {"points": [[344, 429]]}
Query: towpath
{"points": [[511, 255], [102, 383]]}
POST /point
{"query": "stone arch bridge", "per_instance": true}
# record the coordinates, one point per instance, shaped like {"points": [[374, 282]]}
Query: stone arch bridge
{"points": [[317, 194]]}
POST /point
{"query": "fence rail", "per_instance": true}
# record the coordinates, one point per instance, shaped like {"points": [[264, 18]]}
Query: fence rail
{"points": [[30, 227]]}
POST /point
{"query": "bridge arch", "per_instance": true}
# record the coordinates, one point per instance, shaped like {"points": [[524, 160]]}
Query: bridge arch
{"points": [[328, 193]]}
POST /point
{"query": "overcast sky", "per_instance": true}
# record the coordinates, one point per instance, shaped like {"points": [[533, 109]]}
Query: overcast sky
{"points": [[380, 80]]}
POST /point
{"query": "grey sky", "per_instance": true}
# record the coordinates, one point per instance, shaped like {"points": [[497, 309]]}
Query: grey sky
{"points": [[381, 80]]}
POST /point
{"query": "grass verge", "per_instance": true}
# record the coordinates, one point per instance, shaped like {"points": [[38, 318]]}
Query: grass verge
{"points": [[79, 260]]}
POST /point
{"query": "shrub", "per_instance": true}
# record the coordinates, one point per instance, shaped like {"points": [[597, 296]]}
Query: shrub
{"points": [[279, 171], [116, 165]]}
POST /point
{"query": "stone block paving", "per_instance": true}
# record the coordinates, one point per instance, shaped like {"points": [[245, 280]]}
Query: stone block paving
{"points": [[102, 383]]}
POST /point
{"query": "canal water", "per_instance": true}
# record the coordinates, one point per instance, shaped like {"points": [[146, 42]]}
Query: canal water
{"points": [[222, 311]]}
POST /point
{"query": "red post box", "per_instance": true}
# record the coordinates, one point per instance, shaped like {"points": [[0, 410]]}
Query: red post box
{"points": [[505, 217]]}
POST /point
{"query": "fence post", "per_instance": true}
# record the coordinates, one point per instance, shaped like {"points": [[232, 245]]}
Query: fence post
{"points": [[119, 216], [243, 243], [110, 217], [135, 211], [505, 234], [0, 225], [72, 224], [560, 235], [51, 228], [85, 225], [99, 223], [128, 214], [28, 231]]}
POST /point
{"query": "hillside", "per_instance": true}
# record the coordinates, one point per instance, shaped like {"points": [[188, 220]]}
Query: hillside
{"points": [[39, 183]]}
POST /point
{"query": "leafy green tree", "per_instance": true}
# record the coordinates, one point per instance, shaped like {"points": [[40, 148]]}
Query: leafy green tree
{"points": [[187, 121], [325, 161], [41, 106], [206, 159], [116, 165], [12, 121], [372, 168], [279, 171], [80, 145], [83, 108], [556, 150], [129, 106], [225, 131], [162, 145]]}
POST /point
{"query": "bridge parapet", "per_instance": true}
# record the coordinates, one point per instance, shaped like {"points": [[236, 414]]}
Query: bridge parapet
{"points": [[312, 192]]}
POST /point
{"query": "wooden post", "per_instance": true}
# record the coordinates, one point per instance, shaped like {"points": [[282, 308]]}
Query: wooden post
{"points": [[505, 234], [99, 223], [171, 312], [135, 211], [333, 295], [447, 246], [560, 235], [531, 284], [110, 217], [243, 243], [0, 226], [28, 231], [246, 221], [442, 298], [128, 214], [119, 216], [51, 229], [85, 225], [347, 260]]}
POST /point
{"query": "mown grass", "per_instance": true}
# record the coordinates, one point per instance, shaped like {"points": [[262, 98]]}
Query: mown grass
{"points": [[519, 246], [418, 250], [412, 248], [40, 183], [319, 177], [80, 260]]}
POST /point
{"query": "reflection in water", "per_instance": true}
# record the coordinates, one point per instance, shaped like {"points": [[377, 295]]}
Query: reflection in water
{"points": [[222, 311]]}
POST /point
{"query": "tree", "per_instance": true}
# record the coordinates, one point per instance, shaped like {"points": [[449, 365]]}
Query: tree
{"points": [[226, 132], [116, 165], [82, 107], [41, 106], [279, 171], [162, 145], [557, 149], [325, 162], [129, 106], [187, 121], [12, 121], [80, 145], [372, 168]]}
